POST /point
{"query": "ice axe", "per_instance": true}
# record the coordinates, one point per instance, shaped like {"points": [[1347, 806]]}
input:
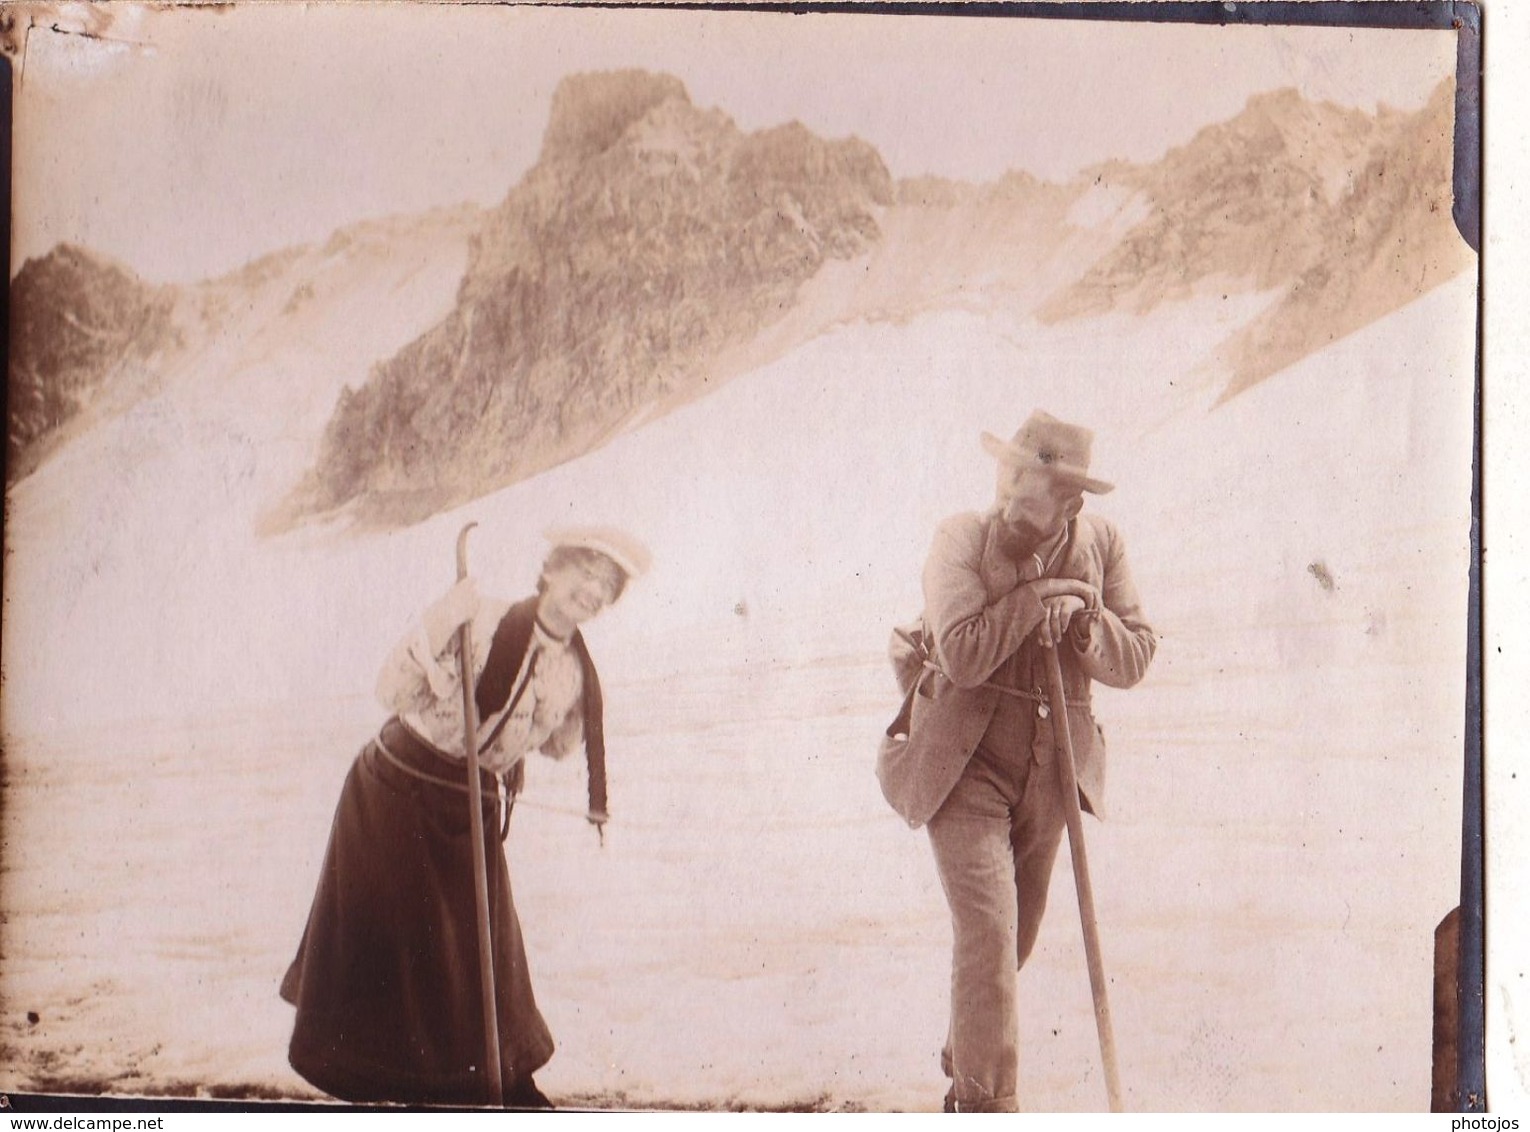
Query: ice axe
{"points": [[492, 1070], [1067, 784]]}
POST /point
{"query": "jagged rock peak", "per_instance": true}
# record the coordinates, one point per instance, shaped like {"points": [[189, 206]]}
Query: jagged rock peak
{"points": [[1282, 100], [590, 112], [71, 260], [81, 326], [651, 238]]}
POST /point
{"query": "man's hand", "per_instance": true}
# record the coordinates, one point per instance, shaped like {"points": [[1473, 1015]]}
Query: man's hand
{"points": [[1063, 601], [1057, 614], [1045, 588]]}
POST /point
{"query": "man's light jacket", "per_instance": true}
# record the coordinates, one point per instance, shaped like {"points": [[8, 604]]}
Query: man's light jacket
{"points": [[978, 611]]}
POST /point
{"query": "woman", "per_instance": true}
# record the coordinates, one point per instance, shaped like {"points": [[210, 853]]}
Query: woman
{"points": [[386, 979]]}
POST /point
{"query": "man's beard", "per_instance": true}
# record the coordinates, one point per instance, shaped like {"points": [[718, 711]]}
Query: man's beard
{"points": [[1019, 539]]}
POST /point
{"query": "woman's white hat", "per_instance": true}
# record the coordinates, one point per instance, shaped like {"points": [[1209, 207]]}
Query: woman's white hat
{"points": [[627, 552]]}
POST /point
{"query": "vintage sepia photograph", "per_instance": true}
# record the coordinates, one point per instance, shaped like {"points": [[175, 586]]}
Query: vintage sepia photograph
{"points": [[948, 532]]}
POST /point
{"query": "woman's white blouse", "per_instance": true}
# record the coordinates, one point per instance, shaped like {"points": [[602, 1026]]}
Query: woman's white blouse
{"points": [[420, 682]]}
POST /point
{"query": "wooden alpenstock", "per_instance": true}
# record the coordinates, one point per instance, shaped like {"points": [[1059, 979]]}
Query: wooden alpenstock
{"points": [[491, 1067], [1067, 783]]}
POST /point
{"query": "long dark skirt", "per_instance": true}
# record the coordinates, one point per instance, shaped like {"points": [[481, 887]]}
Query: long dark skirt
{"points": [[386, 979]]}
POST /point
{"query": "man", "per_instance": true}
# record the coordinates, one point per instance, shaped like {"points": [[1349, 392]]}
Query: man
{"points": [[1000, 588]]}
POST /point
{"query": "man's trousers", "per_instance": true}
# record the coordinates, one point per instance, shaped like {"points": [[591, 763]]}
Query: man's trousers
{"points": [[995, 840]]}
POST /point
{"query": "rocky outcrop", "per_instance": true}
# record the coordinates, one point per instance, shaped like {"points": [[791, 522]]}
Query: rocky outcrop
{"points": [[1390, 239], [655, 249], [649, 237], [83, 334], [1344, 215]]}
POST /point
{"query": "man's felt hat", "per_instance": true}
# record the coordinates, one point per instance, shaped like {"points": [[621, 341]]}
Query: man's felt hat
{"points": [[1060, 448]]}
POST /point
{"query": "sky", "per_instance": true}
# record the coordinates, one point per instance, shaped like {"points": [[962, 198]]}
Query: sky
{"points": [[184, 142]]}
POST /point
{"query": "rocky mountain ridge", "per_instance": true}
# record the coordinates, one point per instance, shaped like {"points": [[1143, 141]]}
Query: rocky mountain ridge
{"points": [[90, 340], [1342, 215], [85, 335], [649, 237], [655, 250]]}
